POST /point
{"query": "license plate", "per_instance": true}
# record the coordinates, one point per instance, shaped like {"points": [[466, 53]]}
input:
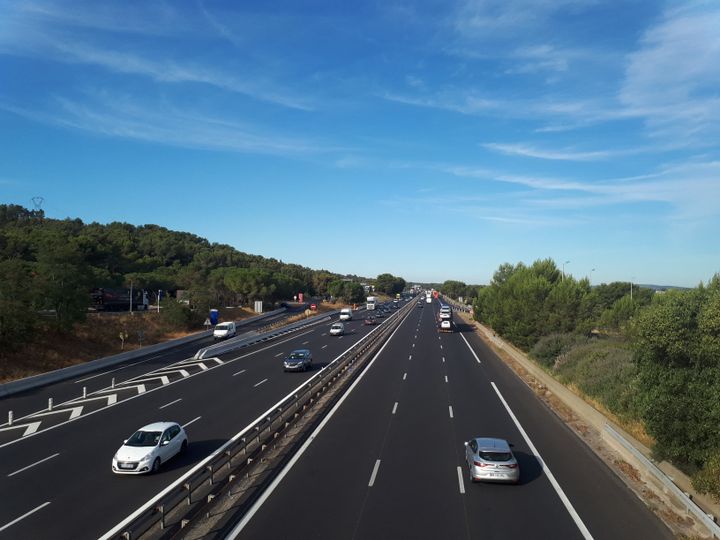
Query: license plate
{"points": [[126, 465]]}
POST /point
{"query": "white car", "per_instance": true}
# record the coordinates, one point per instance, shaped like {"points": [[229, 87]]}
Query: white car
{"points": [[149, 447], [337, 329]]}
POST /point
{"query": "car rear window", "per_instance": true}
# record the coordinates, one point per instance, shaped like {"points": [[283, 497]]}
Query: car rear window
{"points": [[495, 456]]}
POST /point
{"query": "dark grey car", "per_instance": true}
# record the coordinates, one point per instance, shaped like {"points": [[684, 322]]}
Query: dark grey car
{"points": [[298, 360]]}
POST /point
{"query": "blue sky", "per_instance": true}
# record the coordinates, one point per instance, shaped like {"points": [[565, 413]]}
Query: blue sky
{"points": [[433, 140]]}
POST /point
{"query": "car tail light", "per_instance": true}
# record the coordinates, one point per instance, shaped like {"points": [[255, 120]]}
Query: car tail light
{"points": [[511, 466], [482, 464]]}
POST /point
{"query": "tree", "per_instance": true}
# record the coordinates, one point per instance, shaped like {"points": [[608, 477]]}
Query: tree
{"points": [[62, 281], [453, 289], [17, 317], [389, 284]]}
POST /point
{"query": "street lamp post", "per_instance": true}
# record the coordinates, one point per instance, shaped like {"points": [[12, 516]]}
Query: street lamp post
{"points": [[590, 277], [563, 269]]}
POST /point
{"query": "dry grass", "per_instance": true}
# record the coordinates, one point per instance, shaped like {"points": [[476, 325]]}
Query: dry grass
{"points": [[97, 337]]}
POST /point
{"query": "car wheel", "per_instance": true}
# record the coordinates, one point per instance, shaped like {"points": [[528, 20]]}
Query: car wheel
{"points": [[156, 466]]}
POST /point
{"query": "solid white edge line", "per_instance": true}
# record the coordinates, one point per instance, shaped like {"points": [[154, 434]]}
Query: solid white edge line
{"points": [[274, 484], [258, 384], [374, 473], [13, 522], [191, 421], [471, 349], [171, 403], [568, 505], [460, 480], [117, 528], [31, 466]]}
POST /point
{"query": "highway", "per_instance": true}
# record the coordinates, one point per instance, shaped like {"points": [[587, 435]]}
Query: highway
{"points": [[389, 462], [57, 482], [35, 400]]}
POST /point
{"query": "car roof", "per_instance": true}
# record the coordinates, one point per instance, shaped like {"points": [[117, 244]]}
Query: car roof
{"points": [[338, 324], [489, 444], [158, 426], [301, 351]]}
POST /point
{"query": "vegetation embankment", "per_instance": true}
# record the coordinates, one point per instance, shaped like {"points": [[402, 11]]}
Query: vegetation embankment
{"points": [[651, 359], [48, 268]]}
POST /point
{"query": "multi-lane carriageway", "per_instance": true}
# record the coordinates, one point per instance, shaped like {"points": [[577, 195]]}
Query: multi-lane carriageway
{"points": [[387, 463]]}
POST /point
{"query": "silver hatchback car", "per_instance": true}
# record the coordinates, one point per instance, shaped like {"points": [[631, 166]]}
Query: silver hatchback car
{"points": [[492, 460]]}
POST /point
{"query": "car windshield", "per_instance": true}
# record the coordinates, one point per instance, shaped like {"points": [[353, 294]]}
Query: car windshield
{"points": [[144, 438], [222, 327], [495, 456], [297, 356]]}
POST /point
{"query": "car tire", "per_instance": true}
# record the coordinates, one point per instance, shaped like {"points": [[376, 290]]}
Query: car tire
{"points": [[155, 466]]}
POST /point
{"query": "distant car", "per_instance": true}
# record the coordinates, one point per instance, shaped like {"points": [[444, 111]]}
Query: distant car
{"points": [[298, 360], [370, 321], [446, 325], [420, 304], [149, 447], [380, 314], [492, 460], [224, 330], [337, 329], [345, 314]]}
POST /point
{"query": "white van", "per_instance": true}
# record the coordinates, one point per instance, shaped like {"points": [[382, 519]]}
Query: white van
{"points": [[224, 330], [346, 314], [337, 329]]}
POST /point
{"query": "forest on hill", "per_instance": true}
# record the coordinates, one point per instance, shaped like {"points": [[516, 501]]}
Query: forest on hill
{"points": [[48, 267]]}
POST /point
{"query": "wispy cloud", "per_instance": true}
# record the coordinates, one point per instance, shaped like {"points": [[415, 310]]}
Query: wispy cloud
{"points": [[119, 116], [563, 155], [44, 31], [672, 79]]}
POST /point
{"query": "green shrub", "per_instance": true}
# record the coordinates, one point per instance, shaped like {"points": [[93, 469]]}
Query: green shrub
{"points": [[707, 479], [549, 348], [605, 371]]}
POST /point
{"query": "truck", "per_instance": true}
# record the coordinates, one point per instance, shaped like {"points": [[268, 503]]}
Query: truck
{"points": [[107, 299], [371, 303]]}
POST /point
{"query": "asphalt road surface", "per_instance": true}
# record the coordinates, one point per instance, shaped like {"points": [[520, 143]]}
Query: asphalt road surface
{"points": [[55, 477], [389, 462]]}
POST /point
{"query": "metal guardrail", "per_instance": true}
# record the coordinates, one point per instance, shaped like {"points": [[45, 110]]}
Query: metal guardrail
{"points": [[238, 451], [690, 506]]}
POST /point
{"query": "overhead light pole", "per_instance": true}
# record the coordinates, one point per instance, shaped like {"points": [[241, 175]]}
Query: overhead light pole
{"points": [[590, 276], [563, 269]]}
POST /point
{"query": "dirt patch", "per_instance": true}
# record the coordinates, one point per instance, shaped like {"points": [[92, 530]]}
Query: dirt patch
{"points": [[97, 337]]}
